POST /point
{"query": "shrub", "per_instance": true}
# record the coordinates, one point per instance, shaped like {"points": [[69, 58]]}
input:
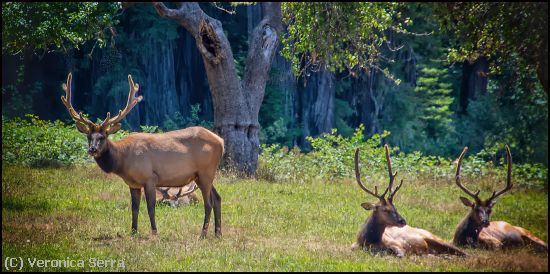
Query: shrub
{"points": [[38, 143], [332, 157]]}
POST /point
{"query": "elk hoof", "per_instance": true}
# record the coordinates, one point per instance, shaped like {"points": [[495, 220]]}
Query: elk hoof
{"points": [[154, 232], [218, 234], [134, 232]]}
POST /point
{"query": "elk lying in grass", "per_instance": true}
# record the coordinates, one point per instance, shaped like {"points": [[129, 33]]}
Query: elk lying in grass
{"points": [[176, 196], [148, 161], [475, 229], [386, 230]]}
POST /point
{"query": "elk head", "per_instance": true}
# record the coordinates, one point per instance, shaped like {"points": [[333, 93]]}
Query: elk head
{"points": [[384, 211], [481, 209], [97, 133]]}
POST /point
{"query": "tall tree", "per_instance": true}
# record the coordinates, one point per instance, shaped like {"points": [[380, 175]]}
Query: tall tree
{"points": [[236, 102]]}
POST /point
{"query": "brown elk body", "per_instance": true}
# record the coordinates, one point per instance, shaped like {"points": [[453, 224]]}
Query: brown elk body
{"points": [[386, 230], [147, 161], [476, 230]]}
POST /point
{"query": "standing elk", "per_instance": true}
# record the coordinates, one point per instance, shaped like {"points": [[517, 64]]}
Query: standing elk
{"points": [[475, 229], [148, 161], [386, 230]]}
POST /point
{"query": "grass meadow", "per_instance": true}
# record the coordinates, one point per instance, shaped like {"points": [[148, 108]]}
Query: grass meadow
{"points": [[79, 213]]}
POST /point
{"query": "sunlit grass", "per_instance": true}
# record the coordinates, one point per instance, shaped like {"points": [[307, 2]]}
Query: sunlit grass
{"points": [[83, 213]]}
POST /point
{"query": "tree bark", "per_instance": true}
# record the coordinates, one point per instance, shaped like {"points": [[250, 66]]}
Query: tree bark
{"points": [[474, 81], [542, 68], [236, 103]]}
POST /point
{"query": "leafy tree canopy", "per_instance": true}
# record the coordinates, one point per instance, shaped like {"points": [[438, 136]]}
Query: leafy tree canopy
{"points": [[39, 25], [499, 31], [337, 35]]}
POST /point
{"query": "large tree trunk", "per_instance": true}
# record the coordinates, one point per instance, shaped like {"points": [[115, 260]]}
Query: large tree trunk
{"points": [[542, 68], [474, 81], [236, 103]]}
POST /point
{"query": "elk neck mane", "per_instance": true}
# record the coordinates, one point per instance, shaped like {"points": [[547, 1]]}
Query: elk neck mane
{"points": [[467, 229], [372, 231], [108, 161]]}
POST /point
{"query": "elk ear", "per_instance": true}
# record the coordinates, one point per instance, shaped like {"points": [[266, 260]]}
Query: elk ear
{"points": [[368, 206], [82, 127], [114, 128], [466, 202]]}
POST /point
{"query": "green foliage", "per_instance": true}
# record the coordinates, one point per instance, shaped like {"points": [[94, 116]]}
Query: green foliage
{"points": [[17, 99], [508, 115], [39, 25], [276, 125], [150, 129], [179, 122], [337, 35], [498, 31], [38, 143], [435, 96], [332, 156]]}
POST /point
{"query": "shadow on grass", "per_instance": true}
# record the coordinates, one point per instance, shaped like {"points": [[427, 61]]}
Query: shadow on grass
{"points": [[20, 205]]}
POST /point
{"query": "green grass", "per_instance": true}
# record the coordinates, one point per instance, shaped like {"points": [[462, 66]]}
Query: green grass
{"points": [[83, 213]]}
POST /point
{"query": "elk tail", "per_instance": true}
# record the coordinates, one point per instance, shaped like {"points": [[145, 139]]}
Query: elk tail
{"points": [[443, 248]]}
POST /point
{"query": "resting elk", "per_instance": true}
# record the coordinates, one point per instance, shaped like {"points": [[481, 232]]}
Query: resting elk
{"points": [[477, 231], [176, 196], [386, 230], [147, 161]]}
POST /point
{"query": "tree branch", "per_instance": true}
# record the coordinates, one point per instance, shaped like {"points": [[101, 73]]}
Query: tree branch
{"points": [[263, 45]]}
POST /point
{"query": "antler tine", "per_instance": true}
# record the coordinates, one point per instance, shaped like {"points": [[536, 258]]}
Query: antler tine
{"points": [[508, 178], [195, 187], [390, 198], [358, 178], [459, 183], [66, 100], [106, 121], [392, 175], [131, 103]]}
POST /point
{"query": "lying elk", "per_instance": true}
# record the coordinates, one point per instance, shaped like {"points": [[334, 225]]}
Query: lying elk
{"points": [[386, 230], [145, 160], [176, 196], [476, 230]]}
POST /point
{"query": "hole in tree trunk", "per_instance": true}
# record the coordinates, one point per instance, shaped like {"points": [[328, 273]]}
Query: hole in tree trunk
{"points": [[208, 39]]}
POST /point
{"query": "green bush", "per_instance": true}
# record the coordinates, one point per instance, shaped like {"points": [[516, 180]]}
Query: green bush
{"points": [[38, 143], [332, 156]]}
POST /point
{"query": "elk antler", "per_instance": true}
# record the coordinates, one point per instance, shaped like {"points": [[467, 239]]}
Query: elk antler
{"points": [[375, 193], [131, 103], [459, 183], [508, 179], [392, 175], [164, 192], [187, 192], [78, 117]]}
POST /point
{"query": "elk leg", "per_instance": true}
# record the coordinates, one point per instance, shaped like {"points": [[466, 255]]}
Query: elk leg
{"points": [[217, 212], [150, 197], [206, 190], [537, 243], [135, 194]]}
